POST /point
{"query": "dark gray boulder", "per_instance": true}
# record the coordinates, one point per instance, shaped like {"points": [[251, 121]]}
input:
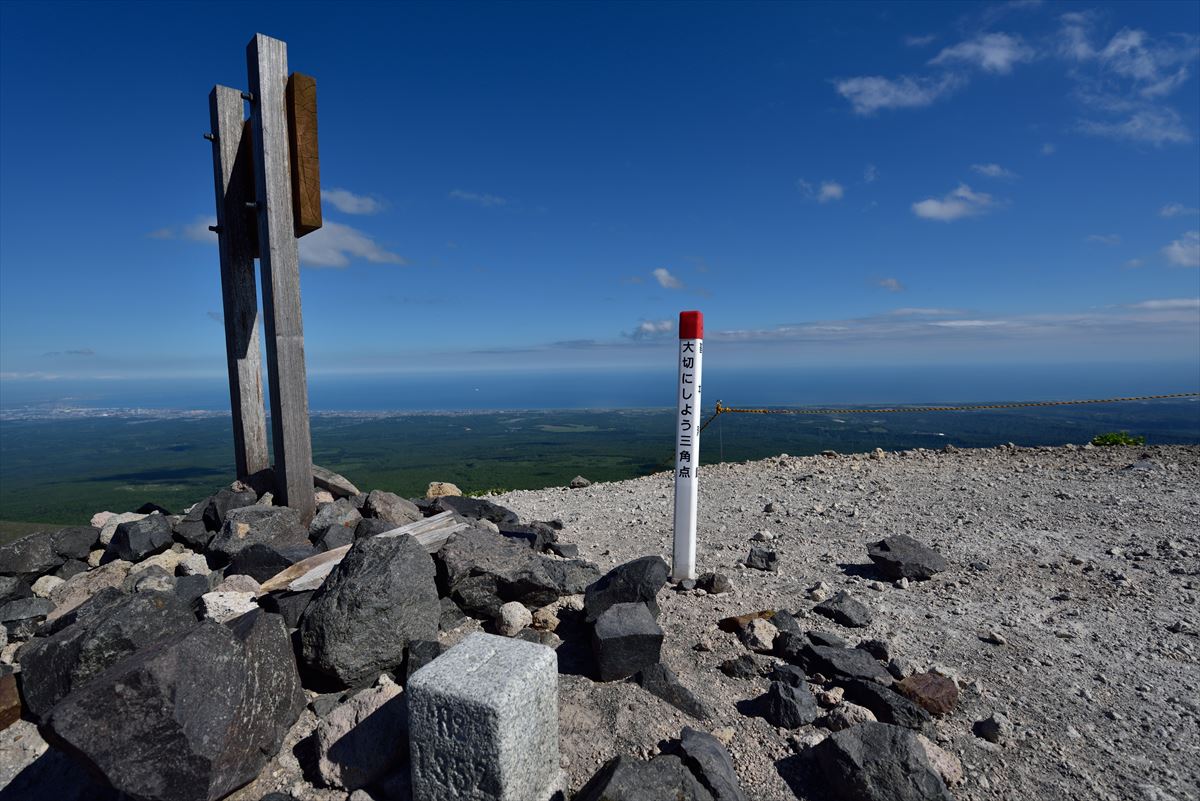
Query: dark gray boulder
{"points": [[789, 706], [451, 616], [188, 589], [664, 778], [904, 557], [23, 616], [476, 509], [260, 541], [370, 527], [877, 762], [714, 583], [888, 705], [743, 666], [106, 628], [71, 567], [137, 539], [216, 509], [845, 610], [567, 550], [288, 605], [791, 675], [12, 588], [192, 531], [482, 570], [659, 680], [825, 638], [626, 638], [390, 508], [189, 718], [636, 581], [843, 664], [420, 654], [708, 760], [339, 513], [29, 557], [75, 542], [761, 558], [380, 596], [334, 537], [786, 621]]}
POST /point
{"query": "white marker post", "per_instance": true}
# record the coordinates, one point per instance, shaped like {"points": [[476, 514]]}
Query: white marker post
{"points": [[687, 444]]}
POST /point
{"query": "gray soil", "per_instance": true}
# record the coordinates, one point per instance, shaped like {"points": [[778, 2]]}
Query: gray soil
{"points": [[1085, 561]]}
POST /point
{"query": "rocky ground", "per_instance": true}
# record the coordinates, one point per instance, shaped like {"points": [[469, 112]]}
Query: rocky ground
{"points": [[1070, 606], [1059, 634]]}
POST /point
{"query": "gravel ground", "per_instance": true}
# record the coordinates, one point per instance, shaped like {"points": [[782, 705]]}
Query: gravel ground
{"points": [[1085, 562]]}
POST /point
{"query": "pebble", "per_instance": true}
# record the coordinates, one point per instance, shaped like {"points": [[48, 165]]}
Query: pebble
{"points": [[512, 618]]}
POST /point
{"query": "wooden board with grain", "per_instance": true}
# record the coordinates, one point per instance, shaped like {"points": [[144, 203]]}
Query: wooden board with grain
{"points": [[305, 158]]}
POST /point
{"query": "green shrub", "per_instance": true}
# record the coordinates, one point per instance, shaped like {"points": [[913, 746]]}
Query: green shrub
{"points": [[1117, 438]]}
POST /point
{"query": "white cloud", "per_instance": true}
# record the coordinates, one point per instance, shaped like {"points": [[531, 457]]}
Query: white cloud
{"points": [[890, 284], [1185, 251], [919, 41], [1169, 303], [335, 244], [1048, 148], [1108, 240], [648, 329], [962, 202], [196, 231], [479, 198], [347, 202], [830, 190], [870, 174], [1177, 210], [666, 280], [870, 93], [993, 171], [915, 311], [991, 52], [1154, 126], [1133, 264]]}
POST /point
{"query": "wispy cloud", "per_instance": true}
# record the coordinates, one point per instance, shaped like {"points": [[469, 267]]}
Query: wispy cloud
{"points": [[348, 202], [667, 281], [870, 174], [1108, 240], [961, 202], [1133, 264], [1177, 210], [196, 231], [990, 52], [1169, 303], [652, 329], [1152, 126], [830, 190], [216, 317], [890, 284], [871, 93], [1048, 148], [1185, 251], [78, 352], [479, 198], [993, 171], [919, 41], [335, 245], [917, 311]]}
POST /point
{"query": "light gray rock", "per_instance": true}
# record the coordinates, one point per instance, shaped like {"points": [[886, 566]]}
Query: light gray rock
{"points": [[362, 739], [223, 606], [82, 586], [46, 585], [513, 617], [483, 723]]}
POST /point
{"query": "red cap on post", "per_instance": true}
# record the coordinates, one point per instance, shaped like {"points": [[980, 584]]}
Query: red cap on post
{"points": [[691, 325]]}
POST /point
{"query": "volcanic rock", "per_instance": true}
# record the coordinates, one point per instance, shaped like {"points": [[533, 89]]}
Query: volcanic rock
{"points": [[476, 509], [995, 728], [442, 489], [224, 606], [339, 513], [10, 699], [888, 705], [903, 557], [626, 779], [626, 639], [790, 675], [288, 605], [30, 556], [363, 738], [704, 755], [13, 587], [579, 482], [846, 714], [713, 583], [22, 617], [420, 654], [390, 508], [260, 541], [75, 542], [512, 618], [789, 707], [937, 694], [381, 595], [763, 559], [97, 634], [639, 580], [843, 664], [136, 540], [337, 485], [844, 609], [743, 666], [214, 511], [877, 762], [189, 718]]}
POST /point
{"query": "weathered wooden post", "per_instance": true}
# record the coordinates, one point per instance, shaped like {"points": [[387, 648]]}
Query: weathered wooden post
{"points": [[279, 260], [233, 177]]}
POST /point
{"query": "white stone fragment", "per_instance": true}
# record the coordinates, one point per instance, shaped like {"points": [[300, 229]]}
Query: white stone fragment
{"points": [[483, 721], [46, 585], [223, 606], [512, 618]]}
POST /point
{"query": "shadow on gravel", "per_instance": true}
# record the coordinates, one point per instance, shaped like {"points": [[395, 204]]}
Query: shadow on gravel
{"points": [[307, 753], [868, 571], [799, 772], [56, 776]]}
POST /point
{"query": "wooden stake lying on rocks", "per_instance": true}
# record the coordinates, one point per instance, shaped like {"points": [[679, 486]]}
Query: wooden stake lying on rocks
{"points": [[310, 573]]}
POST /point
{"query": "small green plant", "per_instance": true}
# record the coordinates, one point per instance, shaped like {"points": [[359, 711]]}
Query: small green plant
{"points": [[1111, 438]]}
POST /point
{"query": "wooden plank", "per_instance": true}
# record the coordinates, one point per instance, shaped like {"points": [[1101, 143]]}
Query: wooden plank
{"points": [[310, 573], [233, 179], [279, 260], [306, 160]]}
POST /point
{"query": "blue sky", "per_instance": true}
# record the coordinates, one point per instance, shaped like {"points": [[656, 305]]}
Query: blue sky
{"points": [[517, 186]]}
